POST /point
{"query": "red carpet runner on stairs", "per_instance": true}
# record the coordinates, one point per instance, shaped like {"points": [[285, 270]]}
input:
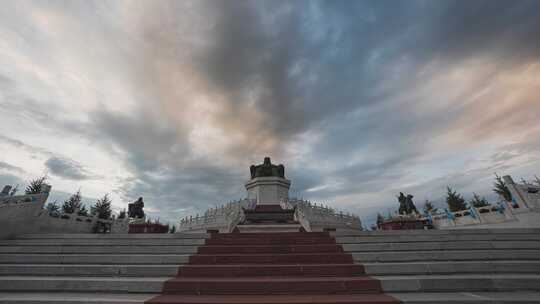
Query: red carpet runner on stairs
{"points": [[272, 268]]}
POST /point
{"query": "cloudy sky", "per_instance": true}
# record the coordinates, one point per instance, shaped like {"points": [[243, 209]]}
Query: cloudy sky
{"points": [[359, 100]]}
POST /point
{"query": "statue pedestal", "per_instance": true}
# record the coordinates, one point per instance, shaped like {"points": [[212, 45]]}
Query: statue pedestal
{"points": [[269, 190]]}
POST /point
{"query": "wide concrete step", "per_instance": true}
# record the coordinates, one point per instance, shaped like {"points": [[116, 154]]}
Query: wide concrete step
{"points": [[106, 259], [103, 242], [450, 255], [116, 236], [73, 298], [291, 258], [461, 283], [406, 298], [103, 298], [271, 285], [313, 270], [269, 228], [452, 267], [89, 249], [82, 284], [88, 270], [521, 297], [440, 232], [276, 299], [270, 235], [435, 238], [271, 241], [222, 249], [463, 245]]}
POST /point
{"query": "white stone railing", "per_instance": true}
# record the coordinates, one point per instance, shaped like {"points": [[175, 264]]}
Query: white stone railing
{"points": [[223, 218], [315, 217], [312, 217], [490, 214], [22, 214], [37, 199], [73, 222]]}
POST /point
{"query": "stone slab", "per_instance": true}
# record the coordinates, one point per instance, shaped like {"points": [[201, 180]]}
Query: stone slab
{"points": [[88, 270], [454, 255], [91, 249], [462, 282], [435, 245], [452, 267], [105, 259], [72, 298], [262, 228], [82, 284], [522, 297]]}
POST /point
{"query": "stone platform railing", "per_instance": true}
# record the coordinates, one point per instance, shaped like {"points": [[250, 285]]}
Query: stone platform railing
{"points": [[312, 217], [223, 218], [23, 214], [315, 217], [499, 213]]}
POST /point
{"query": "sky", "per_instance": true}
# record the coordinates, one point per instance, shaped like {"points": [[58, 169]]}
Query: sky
{"points": [[174, 100]]}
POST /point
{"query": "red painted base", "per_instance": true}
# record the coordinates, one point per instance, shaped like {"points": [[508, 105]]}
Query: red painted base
{"points": [[272, 268]]}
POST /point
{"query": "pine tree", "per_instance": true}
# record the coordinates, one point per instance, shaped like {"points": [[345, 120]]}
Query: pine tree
{"points": [[14, 190], [73, 203], [83, 211], [501, 189], [35, 185], [122, 214], [53, 209], [455, 201], [173, 229], [429, 208], [478, 201], [102, 208]]}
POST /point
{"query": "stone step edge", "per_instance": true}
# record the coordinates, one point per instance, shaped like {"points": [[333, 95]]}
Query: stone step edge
{"points": [[406, 298]]}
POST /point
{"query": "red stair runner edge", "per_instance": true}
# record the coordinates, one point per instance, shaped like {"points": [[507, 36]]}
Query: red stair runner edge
{"points": [[302, 298]]}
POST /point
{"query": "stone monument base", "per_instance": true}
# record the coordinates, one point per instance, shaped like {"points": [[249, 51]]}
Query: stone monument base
{"points": [[268, 214], [268, 219], [268, 190]]}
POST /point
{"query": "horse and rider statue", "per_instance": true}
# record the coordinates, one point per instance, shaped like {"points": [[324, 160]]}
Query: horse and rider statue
{"points": [[406, 205]]}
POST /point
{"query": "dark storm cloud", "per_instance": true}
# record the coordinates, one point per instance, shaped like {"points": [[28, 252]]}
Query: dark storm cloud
{"points": [[329, 66], [363, 89], [66, 168]]}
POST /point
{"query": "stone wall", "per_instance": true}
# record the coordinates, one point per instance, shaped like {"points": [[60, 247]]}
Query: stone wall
{"points": [[25, 214]]}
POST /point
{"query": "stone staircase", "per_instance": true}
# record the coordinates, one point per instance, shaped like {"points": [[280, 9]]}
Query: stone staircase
{"points": [[461, 266], [451, 266]]}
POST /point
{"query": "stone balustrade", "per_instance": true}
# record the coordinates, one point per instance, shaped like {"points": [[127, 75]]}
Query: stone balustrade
{"points": [[315, 217], [491, 214], [23, 214], [312, 217], [222, 219]]}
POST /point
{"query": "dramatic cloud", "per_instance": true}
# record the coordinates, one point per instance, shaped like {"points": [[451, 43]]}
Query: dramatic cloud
{"points": [[8, 167], [66, 168], [173, 100]]}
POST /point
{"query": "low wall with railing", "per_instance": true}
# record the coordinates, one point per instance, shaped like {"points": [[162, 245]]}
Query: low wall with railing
{"points": [[312, 217], [315, 217], [18, 213], [24, 214], [503, 214], [223, 219]]}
